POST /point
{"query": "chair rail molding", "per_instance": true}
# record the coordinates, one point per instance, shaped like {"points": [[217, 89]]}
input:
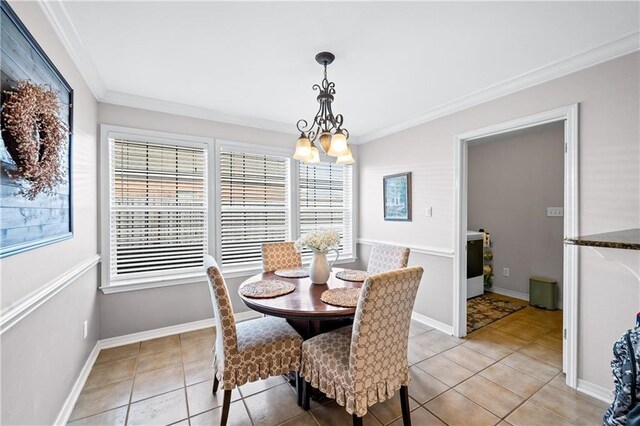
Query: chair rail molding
{"points": [[431, 251], [15, 313]]}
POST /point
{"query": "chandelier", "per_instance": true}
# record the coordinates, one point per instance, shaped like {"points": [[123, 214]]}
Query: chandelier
{"points": [[325, 131]]}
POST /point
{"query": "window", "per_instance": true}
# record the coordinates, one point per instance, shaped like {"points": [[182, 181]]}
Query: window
{"points": [[326, 201], [157, 209], [169, 199], [254, 204]]}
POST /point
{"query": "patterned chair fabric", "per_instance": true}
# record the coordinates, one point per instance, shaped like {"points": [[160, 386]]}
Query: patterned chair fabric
{"points": [[251, 350], [280, 256], [361, 365], [387, 258]]}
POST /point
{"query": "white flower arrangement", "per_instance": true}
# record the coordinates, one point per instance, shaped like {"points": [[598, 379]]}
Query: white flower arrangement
{"points": [[322, 240]]}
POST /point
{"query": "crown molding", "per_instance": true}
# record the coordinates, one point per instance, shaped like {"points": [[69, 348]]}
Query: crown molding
{"points": [[169, 107], [606, 52], [63, 26], [61, 22]]}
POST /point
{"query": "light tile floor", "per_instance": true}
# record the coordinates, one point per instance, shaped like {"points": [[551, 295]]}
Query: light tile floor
{"points": [[506, 373]]}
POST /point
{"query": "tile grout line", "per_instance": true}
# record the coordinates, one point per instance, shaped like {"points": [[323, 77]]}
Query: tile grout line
{"points": [[495, 362], [184, 379], [133, 380]]}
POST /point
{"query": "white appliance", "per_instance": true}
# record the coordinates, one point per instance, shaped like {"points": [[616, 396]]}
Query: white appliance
{"points": [[475, 264]]}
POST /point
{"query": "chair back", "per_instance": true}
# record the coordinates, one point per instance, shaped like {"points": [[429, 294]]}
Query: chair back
{"points": [[280, 256], [380, 333], [387, 258], [226, 337]]}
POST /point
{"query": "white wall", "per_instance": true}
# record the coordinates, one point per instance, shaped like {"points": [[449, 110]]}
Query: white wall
{"points": [[135, 311], [609, 195], [512, 179], [42, 354]]}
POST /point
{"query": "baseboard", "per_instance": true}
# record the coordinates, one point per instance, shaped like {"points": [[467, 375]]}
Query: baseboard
{"points": [[168, 331], [70, 402], [510, 293], [516, 294], [595, 391], [67, 408], [440, 326]]}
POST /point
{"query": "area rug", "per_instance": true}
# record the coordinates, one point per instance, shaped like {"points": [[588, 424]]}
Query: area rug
{"points": [[483, 310]]}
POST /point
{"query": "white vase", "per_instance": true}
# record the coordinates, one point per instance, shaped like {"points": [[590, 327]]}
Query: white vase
{"points": [[320, 270]]}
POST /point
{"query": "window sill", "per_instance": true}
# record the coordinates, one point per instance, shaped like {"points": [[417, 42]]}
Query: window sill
{"points": [[145, 284], [191, 279]]}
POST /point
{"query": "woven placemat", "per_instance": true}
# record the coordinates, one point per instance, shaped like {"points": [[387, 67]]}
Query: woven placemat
{"points": [[292, 272], [345, 297], [352, 275], [266, 288]]}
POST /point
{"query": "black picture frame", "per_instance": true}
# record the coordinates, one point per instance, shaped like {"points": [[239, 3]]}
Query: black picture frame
{"points": [[396, 198], [18, 42]]}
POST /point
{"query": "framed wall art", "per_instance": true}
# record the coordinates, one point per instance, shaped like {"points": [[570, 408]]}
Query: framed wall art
{"points": [[35, 146], [397, 197]]}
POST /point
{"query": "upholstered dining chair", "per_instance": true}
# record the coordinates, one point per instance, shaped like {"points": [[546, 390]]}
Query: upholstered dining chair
{"points": [[361, 365], [387, 258], [280, 256], [251, 350]]}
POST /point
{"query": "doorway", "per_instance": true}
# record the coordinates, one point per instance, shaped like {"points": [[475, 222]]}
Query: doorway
{"points": [[569, 117]]}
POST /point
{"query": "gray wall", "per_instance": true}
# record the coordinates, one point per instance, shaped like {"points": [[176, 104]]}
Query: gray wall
{"points": [[42, 355], [609, 161], [513, 178], [141, 310]]}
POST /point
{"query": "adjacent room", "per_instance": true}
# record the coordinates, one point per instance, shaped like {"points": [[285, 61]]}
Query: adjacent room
{"points": [[319, 213]]}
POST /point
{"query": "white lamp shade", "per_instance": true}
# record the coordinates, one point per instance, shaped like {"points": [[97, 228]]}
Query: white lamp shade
{"points": [[346, 159], [338, 145], [314, 157], [303, 149]]}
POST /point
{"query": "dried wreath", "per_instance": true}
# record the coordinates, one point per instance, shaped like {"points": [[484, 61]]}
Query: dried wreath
{"points": [[37, 137]]}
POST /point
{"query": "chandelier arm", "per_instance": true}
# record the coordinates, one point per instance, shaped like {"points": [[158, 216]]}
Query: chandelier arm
{"points": [[335, 123], [303, 128], [338, 121]]}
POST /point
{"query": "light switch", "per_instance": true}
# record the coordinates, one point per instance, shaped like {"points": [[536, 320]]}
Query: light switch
{"points": [[555, 211], [429, 211]]}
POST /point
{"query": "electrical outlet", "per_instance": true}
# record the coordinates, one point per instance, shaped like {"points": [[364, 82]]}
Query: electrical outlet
{"points": [[506, 272], [429, 211], [555, 211], [85, 329]]}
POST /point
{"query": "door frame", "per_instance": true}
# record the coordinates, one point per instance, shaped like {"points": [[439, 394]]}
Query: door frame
{"points": [[569, 115]]}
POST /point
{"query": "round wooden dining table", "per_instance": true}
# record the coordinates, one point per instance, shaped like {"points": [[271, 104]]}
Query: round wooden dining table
{"points": [[303, 308]]}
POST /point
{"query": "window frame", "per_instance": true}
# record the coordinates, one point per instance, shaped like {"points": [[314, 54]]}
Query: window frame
{"points": [[248, 148], [107, 133], [353, 203]]}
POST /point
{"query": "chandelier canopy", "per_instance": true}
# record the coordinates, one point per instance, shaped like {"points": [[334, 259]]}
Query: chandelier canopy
{"points": [[326, 129]]}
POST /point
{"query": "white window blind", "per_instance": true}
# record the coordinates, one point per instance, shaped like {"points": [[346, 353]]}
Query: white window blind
{"points": [[254, 205], [326, 201], [158, 209]]}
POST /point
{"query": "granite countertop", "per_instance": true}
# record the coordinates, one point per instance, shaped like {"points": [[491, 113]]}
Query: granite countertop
{"points": [[628, 239]]}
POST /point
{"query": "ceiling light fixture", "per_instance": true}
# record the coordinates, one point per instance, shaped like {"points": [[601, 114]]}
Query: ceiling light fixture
{"points": [[325, 128]]}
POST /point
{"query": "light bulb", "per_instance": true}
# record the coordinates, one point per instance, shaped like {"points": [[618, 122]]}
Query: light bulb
{"points": [[338, 144], [303, 148]]}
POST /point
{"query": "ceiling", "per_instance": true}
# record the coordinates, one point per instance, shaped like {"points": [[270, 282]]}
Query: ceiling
{"points": [[395, 62]]}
